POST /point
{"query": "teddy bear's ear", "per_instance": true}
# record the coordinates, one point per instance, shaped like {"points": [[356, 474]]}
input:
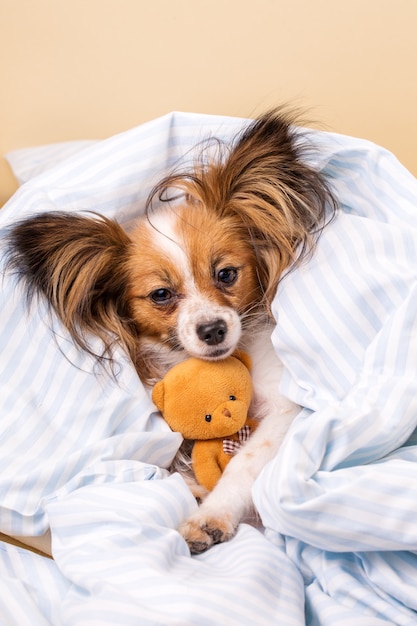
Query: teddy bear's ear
{"points": [[244, 358], [158, 395]]}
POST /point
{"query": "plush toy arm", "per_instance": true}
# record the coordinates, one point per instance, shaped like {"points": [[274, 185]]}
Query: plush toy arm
{"points": [[209, 461], [209, 457]]}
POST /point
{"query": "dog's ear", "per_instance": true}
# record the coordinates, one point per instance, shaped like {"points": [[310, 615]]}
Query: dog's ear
{"points": [[283, 201], [158, 393], [78, 264]]}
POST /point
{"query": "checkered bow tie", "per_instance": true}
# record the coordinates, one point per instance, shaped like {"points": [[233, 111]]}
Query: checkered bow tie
{"points": [[230, 446]]}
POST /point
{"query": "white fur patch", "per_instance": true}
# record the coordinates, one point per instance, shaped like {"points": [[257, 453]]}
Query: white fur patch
{"points": [[196, 311], [165, 236], [194, 308]]}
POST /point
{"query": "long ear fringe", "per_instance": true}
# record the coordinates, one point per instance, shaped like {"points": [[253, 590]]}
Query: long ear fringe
{"points": [[263, 178], [72, 261]]}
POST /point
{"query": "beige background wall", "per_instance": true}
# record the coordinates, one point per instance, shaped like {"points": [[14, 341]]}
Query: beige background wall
{"points": [[78, 69]]}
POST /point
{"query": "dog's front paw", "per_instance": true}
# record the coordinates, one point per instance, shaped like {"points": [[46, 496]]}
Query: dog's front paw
{"points": [[202, 532]]}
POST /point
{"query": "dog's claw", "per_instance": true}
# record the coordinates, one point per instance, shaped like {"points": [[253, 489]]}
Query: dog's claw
{"points": [[197, 539], [201, 535], [217, 535], [198, 547]]}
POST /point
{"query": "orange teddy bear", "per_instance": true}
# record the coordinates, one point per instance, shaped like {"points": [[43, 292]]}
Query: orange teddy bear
{"points": [[208, 402]]}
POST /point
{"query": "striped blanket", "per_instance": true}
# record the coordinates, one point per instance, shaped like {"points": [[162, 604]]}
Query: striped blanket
{"points": [[86, 457]]}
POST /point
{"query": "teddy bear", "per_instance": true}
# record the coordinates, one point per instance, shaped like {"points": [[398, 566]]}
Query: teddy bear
{"points": [[208, 402]]}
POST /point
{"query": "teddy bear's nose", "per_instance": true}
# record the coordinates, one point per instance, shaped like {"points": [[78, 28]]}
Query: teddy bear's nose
{"points": [[227, 413]]}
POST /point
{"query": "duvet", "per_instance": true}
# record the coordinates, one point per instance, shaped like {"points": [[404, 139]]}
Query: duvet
{"points": [[86, 457]]}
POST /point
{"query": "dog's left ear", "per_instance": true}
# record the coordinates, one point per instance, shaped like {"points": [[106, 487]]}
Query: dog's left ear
{"points": [[284, 201]]}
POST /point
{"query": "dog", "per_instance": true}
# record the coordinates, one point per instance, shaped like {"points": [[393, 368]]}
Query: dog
{"points": [[195, 277]]}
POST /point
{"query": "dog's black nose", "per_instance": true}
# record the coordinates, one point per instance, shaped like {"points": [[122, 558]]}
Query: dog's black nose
{"points": [[212, 333]]}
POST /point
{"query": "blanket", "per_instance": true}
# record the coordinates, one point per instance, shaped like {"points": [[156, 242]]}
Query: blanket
{"points": [[86, 456]]}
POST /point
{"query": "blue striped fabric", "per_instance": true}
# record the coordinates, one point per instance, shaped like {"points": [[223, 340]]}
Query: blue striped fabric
{"points": [[85, 457]]}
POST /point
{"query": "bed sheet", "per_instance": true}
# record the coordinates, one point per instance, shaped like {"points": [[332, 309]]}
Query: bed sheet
{"points": [[87, 457]]}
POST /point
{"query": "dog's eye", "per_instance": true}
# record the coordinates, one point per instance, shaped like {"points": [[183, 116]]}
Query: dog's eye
{"points": [[227, 276], [161, 296], [232, 397]]}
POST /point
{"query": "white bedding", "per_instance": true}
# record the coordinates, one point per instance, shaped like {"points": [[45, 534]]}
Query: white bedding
{"points": [[85, 457]]}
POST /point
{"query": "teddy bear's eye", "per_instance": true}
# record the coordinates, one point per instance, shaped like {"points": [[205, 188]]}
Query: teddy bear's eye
{"points": [[232, 397], [208, 418]]}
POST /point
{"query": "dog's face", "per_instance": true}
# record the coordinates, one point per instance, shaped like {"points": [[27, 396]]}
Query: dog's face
{"points": [[193, 280]]}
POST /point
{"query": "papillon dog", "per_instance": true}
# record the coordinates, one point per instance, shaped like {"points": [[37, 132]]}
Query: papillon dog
{"points": [[195, 277]]}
